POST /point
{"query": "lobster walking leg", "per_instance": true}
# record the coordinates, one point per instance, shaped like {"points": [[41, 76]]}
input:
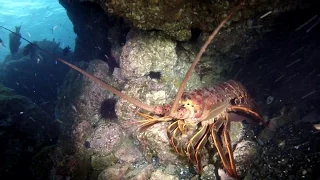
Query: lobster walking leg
{"points": [[173, 132], [195, 146], [218, 145], [247, 111], [227, 143], [198, 152]]}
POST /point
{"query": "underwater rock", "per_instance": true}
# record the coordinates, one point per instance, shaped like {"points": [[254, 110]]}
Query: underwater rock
{"points": [[116, 172], [101, 162], [105, 138], [160, 174], [80, 99], [128, 152], [266, 135], [116, 37], [244, 155], [237, 131], [145, 52], [208, 173], [149, 52], [140, 173], [177, 18], [80, 109], [224, 175], [156, 145]]}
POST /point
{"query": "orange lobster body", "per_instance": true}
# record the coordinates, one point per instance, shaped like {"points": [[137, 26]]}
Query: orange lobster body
{"points": [[200, 115], [203, 100]]}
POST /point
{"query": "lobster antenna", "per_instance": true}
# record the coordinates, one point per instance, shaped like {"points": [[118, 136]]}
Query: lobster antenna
{"points": [[197, 59], [93, 78]]}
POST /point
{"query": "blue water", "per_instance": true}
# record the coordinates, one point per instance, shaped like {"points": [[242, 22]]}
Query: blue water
{"points": [[37, 18]]}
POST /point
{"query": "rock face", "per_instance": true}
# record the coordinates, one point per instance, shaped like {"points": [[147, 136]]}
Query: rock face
{"points": [[177, 18], [101, 33], [81, 101], [81, 109]]}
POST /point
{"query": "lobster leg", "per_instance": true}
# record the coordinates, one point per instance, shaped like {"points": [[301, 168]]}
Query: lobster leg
{"points": [[149, 120], [251, 113], [218, 145], [172, 132], [195, 145], [227, 143], [198, 152]]}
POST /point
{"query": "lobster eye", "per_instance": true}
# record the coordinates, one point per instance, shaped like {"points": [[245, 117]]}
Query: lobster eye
{"points": [[233, 101]]}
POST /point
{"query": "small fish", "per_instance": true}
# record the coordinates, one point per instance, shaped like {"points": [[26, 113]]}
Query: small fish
{"points": [[53, 28], [74, 108], [59, 121], [39, 58], [28, 34], [66, 51], [32, 119], [1, 43]]}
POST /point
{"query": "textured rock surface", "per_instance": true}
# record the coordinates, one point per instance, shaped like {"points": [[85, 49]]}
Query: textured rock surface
{"points": [[115, 172], [177, 18], [80, 101], [138, 173], [244, 155], [208, 173], [105, 138], [145, 52], [160, 174], [128, 152], [82, 108]]}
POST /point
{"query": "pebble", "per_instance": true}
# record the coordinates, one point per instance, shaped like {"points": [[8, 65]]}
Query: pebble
{"points": [[304, 172]]}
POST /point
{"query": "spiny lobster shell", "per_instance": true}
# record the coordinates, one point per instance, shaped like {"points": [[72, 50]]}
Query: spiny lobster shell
{"points": [[205, 99]]}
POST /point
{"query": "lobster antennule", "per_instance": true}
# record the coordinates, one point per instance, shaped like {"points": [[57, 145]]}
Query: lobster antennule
{"points": [[93, 78], [197, 59]]}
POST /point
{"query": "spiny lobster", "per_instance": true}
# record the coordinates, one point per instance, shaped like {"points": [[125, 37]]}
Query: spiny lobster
{"points": [[195, 116]]}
